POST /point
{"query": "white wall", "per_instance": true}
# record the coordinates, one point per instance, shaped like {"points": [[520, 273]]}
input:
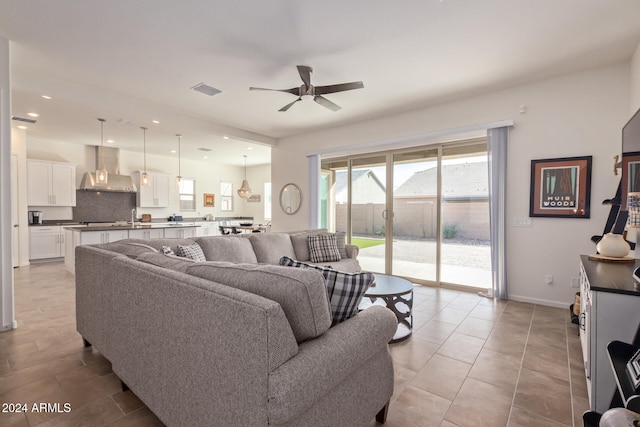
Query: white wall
{"points": [[6, 229], [635, 81], [207, 174], [573, 115]]}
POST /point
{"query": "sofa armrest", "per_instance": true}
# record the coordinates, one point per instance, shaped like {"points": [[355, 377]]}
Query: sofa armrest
{"points": [[352, 251], [324, 362]]}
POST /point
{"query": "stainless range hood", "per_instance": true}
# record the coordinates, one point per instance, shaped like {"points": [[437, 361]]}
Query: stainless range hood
{"points": [[115, 181]]}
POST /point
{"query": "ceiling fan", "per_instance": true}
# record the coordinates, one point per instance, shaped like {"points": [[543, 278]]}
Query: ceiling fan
{"points": [[308, 91]]}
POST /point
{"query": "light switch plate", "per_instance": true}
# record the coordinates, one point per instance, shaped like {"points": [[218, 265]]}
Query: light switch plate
{"points": [[522, 222]]}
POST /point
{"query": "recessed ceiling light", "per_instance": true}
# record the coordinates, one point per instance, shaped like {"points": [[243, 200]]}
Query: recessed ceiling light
{"points": [[225, 137], [249, 148], [22, 127], [33, 114], [46, 96], [155, 121], [110, 141], [173, 151], [205, 157]]}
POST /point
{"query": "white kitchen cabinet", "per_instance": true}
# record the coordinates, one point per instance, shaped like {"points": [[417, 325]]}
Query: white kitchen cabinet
{"points": [[156, 194], [95, 237], [46, 242], [608, 312], [151, 233], [207, 228], [180, 233], [51, 183]]}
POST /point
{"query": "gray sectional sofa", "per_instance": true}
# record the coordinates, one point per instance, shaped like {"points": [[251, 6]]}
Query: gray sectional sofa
{"points": [[232, 342]]}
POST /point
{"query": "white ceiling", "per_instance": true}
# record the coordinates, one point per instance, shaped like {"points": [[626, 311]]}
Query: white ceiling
{"points": [[135, 61]]}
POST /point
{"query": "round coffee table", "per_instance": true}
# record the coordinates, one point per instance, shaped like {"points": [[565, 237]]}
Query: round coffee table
{"points": [[396, 294]]}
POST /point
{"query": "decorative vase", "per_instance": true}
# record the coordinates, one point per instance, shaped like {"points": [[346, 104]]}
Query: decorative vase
{"points": [[613, 245]]}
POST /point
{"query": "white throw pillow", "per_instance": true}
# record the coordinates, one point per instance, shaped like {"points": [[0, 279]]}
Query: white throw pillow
{"points": [[193, 251]]}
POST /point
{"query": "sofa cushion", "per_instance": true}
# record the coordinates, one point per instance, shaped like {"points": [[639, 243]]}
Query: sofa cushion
{"points": [[270, 247], [167, 250], [345, 290], [193, 251], [170, 262], [228, 249], [323, 248], [131, 249], [301, 294], [160, 242], [301, 245]]}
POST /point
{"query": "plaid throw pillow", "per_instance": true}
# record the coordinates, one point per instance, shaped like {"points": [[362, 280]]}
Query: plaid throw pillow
{"points": [[193, 251], [345, 290], [323, 248]]}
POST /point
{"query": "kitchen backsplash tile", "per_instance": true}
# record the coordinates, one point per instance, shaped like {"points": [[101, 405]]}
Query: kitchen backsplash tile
{"points": [[99, 206]]}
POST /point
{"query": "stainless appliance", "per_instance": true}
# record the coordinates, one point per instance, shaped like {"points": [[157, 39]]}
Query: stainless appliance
{"points": [[35, 217], [109, 157]]}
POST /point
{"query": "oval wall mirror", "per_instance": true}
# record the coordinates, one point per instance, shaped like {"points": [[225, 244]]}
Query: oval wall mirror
{"points": [[290, 199]]}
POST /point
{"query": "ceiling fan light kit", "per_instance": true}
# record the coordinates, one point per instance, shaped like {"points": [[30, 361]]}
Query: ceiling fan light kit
{"points": [[308, 91]]}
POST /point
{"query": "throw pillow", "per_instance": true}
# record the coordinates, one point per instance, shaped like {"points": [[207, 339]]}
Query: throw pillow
{"points": [[193, 251], [345, 290], [323, 248], [342, 246], [167, 250]]}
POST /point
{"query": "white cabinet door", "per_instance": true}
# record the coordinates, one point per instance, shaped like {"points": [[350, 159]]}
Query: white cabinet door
{"points": [[155, 233], [91, 237], [45, 242], [180, 233], [115, 235], [163, 181], [146, 193], [51, 183], [63, 184], [156, 194], [38, 183]]}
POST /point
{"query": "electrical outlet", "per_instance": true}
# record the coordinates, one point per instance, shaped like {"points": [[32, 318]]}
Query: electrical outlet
{"points": [[575, 282], [548, 279]]}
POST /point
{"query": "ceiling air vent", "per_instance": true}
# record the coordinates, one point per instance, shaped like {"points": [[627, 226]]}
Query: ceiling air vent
{"points": [[206, 89], [204, 149], [22, 119]]}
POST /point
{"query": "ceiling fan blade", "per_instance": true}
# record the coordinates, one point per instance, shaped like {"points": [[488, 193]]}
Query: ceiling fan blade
{"points": [[293, 91], [305, 75], [286, 107], [326, 103], [323, 90]]}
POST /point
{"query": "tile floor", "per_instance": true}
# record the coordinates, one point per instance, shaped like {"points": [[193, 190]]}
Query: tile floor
{"points": [[470, 362]]}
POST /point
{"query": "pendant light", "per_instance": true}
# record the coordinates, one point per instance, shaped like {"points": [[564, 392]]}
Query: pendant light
{"points": [[144, 178], [101, 173], [179, 177], [245, 190]]}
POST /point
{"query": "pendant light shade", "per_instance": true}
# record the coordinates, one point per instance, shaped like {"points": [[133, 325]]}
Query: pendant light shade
{"points": [[102, 175], [179, 177], [245, 190], [144, 178]]}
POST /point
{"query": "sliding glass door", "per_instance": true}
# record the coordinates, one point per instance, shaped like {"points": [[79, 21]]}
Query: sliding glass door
{"points": [[420, 213]]}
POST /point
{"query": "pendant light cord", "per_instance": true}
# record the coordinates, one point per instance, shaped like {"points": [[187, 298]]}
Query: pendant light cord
{"points": [[144, 146]]}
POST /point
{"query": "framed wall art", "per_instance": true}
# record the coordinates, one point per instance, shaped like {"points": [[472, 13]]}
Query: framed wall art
{"points": [[208, 200], [561, 188]]}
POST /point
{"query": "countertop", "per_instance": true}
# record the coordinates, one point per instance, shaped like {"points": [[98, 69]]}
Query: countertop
{"points": [[611, 277], [129, 227]]}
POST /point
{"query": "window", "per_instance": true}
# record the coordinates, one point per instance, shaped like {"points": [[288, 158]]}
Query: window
{"points": [[187, 194], [267, 201], [226, 196]]}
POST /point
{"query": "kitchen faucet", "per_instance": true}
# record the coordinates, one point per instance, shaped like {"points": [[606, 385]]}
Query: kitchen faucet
{"points": [[133, 217]]}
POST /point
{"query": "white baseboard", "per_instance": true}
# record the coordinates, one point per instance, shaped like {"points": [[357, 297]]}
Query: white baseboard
{"points": [[539, 301]]}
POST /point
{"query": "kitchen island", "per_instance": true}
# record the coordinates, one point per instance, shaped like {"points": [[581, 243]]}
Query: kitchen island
{"points": [[75, 236]]}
